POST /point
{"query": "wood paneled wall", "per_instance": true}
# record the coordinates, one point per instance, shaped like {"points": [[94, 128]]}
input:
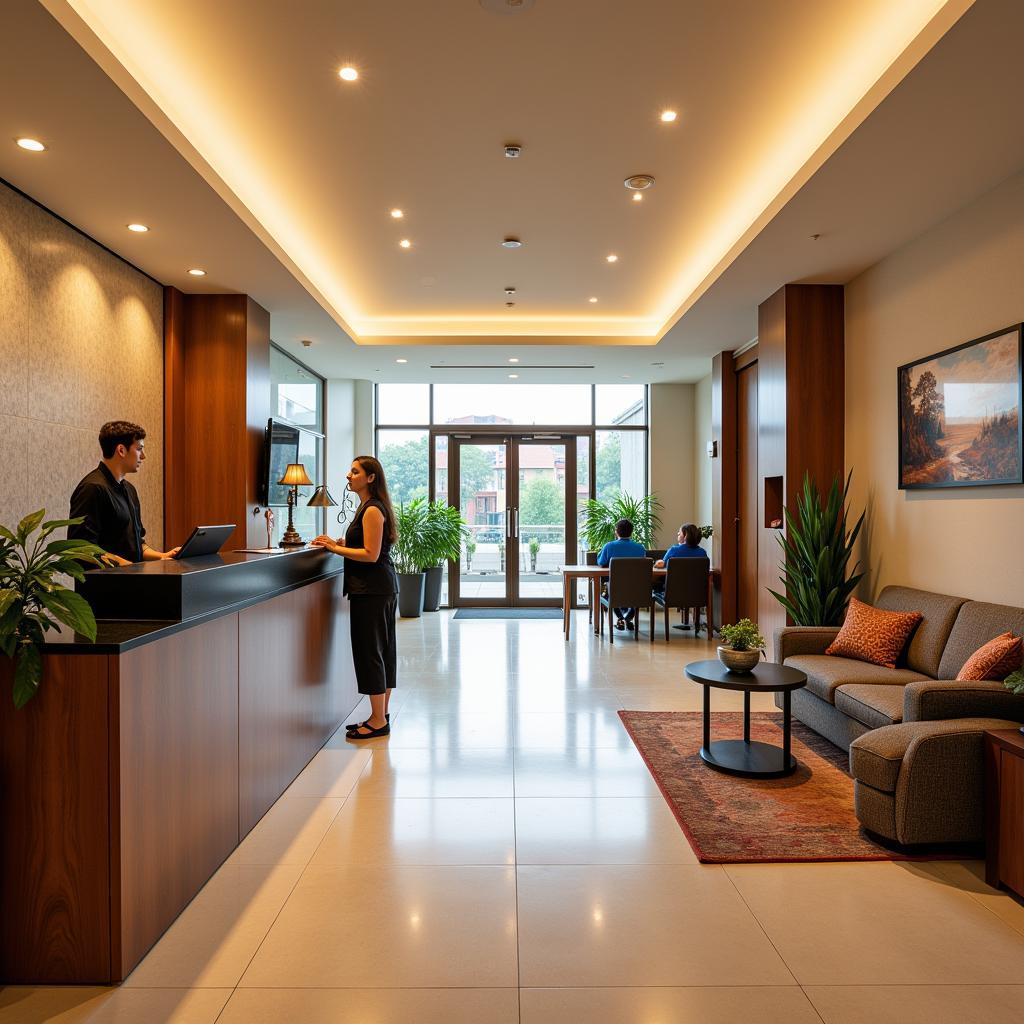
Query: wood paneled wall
{"points": [[723, 483], [217, 369], [801, 411]]}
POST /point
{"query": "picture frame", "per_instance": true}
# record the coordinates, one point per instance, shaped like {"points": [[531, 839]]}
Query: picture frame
{"points": [[959, 414]]}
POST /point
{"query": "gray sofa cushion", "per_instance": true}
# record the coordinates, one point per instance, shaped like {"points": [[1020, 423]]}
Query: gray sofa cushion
{"points": [[872, 705], [924, 652], [976, 624], [825, 673]]}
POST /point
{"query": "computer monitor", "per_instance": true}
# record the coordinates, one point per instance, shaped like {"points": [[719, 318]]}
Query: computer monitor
{"points": [[205, 540]]}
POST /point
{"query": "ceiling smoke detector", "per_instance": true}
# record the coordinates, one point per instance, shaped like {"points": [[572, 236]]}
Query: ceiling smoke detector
{"points": [[506, 6], [510, 291], [509, 305], [513, 150], [511, 243], [639, 181]]}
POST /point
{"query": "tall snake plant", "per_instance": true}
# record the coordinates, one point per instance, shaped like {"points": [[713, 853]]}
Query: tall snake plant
{"points": [[818, 548]]}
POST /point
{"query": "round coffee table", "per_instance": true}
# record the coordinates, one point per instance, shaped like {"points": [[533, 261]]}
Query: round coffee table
{"points": [[752, 759]]}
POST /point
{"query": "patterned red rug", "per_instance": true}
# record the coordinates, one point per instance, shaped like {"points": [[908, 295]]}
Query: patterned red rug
{"points": [[806, 816]]}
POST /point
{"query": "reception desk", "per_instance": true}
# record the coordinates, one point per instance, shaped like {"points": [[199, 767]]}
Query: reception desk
{"points": [[148, 755]]}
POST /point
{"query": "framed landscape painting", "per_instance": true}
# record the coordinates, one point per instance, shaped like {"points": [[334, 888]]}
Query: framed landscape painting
{"points": [[960, 415]]}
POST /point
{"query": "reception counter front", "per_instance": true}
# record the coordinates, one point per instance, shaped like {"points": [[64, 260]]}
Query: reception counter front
{"points": [[148, 755]]}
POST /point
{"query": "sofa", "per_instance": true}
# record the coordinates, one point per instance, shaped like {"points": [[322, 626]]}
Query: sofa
{"points": [[913, 732]]}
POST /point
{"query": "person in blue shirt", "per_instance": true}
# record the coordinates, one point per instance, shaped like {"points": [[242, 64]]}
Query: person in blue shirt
{"points": [[687, 546], [622, 547]]}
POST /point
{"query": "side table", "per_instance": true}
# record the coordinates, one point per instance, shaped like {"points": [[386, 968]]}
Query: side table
{"points": [[1004, 809]]}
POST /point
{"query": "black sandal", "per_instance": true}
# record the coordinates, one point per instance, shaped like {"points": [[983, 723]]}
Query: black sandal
{"points": [[384, 730], [352, 726]]}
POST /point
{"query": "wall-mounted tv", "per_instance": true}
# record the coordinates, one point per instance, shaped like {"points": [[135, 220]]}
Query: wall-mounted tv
{"points": [[282, 448]]}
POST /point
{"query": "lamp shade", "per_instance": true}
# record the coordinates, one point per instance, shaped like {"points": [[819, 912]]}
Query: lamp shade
{"points": [[321, 498], [295, 476]]}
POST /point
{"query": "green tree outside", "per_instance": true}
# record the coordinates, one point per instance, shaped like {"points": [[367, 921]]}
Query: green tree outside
{"points": [[541, 503]]}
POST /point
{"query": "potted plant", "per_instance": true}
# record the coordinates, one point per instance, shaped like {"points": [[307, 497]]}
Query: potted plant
{"points": [[410, 554], [818, 548], [742, 648], [444, 529], [534, 552], [470, 547], [600, 517], [32, 601], [501, 554]]}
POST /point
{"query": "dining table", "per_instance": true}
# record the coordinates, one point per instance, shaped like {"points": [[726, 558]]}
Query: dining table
{"points": [[592, 573]]}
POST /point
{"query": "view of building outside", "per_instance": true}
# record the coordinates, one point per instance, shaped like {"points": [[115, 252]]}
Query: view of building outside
{"points": [[403, 439]]}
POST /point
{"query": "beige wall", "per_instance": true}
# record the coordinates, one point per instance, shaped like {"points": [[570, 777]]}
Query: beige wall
{"points": [[81, 342], [959, 281], [671, 455]]}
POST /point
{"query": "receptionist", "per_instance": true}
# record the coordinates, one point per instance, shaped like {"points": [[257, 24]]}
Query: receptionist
{"points": [[109, 504]]}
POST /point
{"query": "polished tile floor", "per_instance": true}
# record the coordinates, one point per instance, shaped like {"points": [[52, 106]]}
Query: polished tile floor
{"points": [[505, 857]]}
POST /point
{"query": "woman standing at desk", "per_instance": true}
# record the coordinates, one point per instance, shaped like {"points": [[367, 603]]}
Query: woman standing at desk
{"points": [[372, 587]]}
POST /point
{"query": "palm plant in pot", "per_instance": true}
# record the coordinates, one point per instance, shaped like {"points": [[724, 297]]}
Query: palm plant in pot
{"points": [[743, 646], [33, 601], [410, 552], [600, 517], [444, 532]]}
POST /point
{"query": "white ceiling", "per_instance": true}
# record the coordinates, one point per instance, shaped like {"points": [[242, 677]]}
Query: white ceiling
{"points": [[443, 86]]}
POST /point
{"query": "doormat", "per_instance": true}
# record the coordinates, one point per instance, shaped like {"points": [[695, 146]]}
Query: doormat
{"points": [[508, 613], [806, 816]]}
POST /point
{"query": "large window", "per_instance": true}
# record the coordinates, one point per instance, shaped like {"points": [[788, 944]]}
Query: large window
{"points": [[297, 396]]}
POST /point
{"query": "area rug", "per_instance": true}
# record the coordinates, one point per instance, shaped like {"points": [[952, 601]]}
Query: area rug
{"points": [[508, 613], [807, 816]]}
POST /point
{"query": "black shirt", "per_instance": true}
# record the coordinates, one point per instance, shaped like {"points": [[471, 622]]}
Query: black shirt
{"points": [[113, 516], [369, 577]]}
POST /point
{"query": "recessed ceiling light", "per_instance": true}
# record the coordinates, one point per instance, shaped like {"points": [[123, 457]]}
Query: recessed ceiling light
{"points": [[513, 376], [513, 359], [32, 145], [138, 228], [401, 360], [397, 213], [348, 73], [593, 298], [638, 181], [511, 243], [668, 116], [405, 243], [196, 272], [612, 258], [637, 196]]}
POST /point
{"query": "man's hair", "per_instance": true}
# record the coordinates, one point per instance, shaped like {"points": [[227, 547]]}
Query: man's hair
{"points": [[119, 432], [624, 528], [691, 534]]}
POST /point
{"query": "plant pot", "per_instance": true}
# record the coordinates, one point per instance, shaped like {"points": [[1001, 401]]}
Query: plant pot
{"points": [[410, 594], [432, 588], [740, 662]]}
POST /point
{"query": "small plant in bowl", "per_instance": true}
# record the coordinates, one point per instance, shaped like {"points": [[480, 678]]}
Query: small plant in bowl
{"points": [[743, 646]]}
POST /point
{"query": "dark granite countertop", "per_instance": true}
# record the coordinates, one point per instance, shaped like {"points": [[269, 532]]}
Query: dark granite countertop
{"points": [[115, 636]]}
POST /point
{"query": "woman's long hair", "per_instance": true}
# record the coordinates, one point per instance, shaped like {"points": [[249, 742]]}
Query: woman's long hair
{"points": [[691, 534], [379, 490]]}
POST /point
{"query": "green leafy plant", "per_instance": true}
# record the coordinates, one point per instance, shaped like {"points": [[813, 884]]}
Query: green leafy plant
{"points": [[534, 547], [600, 517], [32, 601], [706, 532], [743, 636], [470, 552], [444, 530], [818, 548], [1015, 681], [411, 549]]}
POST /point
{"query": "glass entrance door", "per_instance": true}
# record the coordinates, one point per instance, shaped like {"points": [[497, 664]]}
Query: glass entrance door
{"points": [[518, 498]]}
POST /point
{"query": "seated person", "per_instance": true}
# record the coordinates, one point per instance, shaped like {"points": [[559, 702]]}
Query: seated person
{"points": [[622, 547], [687, 546]]}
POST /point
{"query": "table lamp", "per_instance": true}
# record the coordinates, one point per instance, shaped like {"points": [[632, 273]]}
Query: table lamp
{"points": [[321, 498], [294, 478]]}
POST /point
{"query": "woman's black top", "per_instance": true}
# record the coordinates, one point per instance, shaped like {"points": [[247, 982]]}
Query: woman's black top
{"points": [[369, 577]]}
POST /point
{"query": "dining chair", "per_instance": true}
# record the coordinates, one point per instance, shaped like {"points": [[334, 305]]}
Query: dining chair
{"points": [[629, 586], [686, 586]]}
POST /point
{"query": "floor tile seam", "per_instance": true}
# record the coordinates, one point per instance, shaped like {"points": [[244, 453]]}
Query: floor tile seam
{"points": [[977, 897], [761, 925], [811, 1004]]}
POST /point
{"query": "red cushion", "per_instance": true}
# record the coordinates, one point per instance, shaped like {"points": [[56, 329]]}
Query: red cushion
{"points": [[995, 660], [873, 634]]}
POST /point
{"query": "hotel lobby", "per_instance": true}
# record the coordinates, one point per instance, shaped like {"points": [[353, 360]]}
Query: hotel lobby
{"points": [[556, 264]]}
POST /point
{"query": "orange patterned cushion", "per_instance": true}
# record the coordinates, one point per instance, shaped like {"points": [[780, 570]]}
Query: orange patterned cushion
{"points": [[873, 634], [994, 660]]}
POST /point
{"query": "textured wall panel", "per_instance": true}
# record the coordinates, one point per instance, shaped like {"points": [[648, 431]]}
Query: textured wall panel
{"points": [[81, 342]]}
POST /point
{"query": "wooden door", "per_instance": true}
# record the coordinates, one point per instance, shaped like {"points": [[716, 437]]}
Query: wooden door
{"points": [[746, 497]]}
